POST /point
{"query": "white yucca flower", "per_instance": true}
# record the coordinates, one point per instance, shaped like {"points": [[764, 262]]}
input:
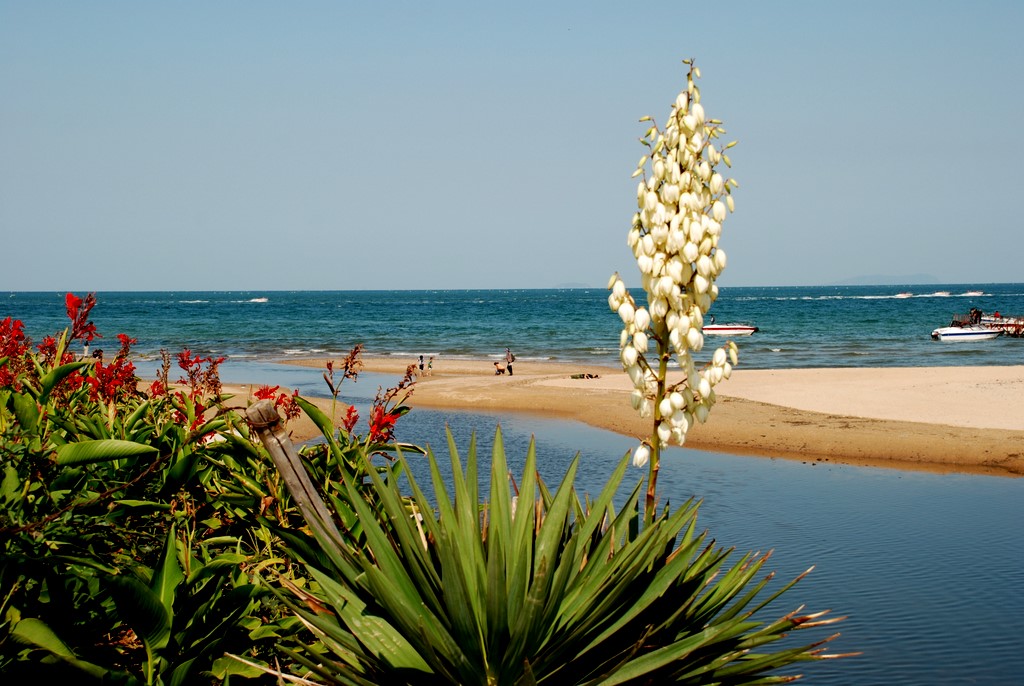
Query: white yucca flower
{"points": [[682, 200], [641, 455]]}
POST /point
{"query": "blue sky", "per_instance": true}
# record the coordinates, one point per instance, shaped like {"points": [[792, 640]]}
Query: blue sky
{"points": [[333, 145]]}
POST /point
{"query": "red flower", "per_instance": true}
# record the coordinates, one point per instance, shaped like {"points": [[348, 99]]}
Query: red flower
{"points": [[14, 346], [288, 406], [266, 392], [113, 381], [78, 312], [351, 417], [382, 424]]}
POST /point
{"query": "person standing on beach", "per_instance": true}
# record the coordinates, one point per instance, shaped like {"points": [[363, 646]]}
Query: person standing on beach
{"points": [[509, 359], [430, 365], [421, 365]]}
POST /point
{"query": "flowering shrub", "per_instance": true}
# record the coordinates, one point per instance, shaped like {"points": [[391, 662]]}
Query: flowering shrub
{"points": [[131, 523]]}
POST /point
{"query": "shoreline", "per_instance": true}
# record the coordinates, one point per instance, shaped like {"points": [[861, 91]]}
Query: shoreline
{"points": [[936, 419]]}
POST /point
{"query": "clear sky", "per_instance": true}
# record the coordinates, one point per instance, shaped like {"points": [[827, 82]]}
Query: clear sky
{"points": [[359, 145]]}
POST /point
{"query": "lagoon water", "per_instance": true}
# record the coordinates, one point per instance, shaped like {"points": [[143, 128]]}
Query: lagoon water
{"points": [[928, 568]]}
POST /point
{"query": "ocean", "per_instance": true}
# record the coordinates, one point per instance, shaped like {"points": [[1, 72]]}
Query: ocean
{"points": [[827, 326], [927, 567]]}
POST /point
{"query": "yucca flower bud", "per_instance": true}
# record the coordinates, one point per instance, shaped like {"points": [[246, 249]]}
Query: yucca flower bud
{"points": [[677, 339], [694, 339], [677, 401], [646, 408], [715, 376], [665, 408], [718, 211], [629, 356], [716, 185], [698, 113], [642, 319], [691, 252], [704, 266], [645, 263], [720, 260], [681, 419], [636, 398], [641, 455], [664, 432], [626, 312]]}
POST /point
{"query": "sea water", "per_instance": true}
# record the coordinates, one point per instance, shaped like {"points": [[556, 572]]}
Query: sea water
{"points": [[928, 568], [835, 326]]}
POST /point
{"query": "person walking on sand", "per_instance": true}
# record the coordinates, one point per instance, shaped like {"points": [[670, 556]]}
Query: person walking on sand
{"points": [[430, 365], [421, 365], [509, 359]]}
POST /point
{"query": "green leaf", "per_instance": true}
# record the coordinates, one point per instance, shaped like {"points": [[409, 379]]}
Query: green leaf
{"points": [[27, 411], [50, 381], [168, 575], [141, 609], [182, 673], [319, 417], [10, 488], [226, 666], [105, 450], [36, 633], [135, 416]]}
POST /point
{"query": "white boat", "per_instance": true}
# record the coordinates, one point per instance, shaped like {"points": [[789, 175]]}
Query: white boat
{"points": [[905, 294], [965, 333], [729, 329], [712, 329]]}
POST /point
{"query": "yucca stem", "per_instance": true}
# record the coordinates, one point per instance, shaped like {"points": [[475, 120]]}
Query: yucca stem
{"points": [[652, 478]]}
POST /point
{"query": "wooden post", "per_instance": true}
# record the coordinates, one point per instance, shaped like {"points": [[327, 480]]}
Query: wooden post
{"points": [[264, 419]]}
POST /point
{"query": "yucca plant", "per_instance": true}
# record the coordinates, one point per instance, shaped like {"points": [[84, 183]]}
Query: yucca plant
{"points": [[535, 588]]}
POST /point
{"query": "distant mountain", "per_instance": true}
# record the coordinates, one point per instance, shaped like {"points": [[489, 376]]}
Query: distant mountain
{"points": [[888, 280]]}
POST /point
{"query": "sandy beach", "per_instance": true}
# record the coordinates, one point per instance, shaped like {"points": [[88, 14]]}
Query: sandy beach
{"points": [[943, 419]]}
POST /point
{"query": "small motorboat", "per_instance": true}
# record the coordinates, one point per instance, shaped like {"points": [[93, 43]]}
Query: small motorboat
{"points": [[972, 332], [712, 329], [905, 294], [729, 329]]}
